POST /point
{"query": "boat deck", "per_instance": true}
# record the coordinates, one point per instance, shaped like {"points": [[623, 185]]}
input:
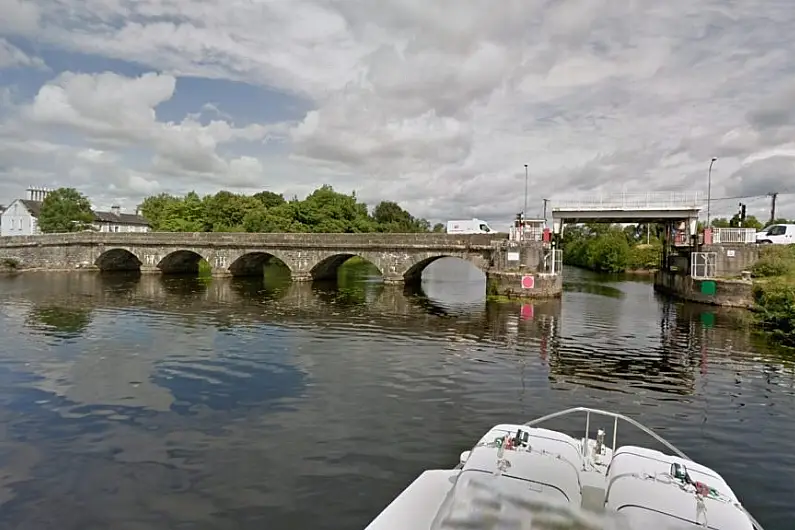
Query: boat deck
{"points": [[515, 473]]}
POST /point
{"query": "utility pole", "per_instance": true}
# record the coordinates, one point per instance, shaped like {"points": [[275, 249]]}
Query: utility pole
{"points": [[545, 211], [773, 206]]}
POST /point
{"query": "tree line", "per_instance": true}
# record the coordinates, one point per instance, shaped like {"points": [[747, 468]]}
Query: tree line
{"points": [[324, 210], [610, 248]]}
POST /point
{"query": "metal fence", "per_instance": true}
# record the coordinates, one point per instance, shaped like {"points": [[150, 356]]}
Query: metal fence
{"points": [[552, 262], [634, 201], [733, 235], [702, 264]]}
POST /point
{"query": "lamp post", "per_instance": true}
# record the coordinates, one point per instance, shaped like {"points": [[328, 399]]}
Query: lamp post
{"points": [[709, 187], [524, 210]]}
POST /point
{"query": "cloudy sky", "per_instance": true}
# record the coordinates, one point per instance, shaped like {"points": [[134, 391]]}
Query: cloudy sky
{"points": [[436, 104]]}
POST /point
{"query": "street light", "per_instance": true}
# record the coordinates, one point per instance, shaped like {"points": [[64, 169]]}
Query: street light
{"points": [[524, 210], [709, 187]]}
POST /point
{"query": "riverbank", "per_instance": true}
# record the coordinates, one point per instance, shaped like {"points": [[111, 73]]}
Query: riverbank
{"points": [[774, 292]]}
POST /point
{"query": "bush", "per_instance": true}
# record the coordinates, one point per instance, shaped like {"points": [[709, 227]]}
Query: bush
{"points": [[9, 263], [775, 306], [610, 251], [645, 257], [775, 260]]}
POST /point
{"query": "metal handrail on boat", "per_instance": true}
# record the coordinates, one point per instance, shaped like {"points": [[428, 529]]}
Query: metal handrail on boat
{"points": [[616, 416]]}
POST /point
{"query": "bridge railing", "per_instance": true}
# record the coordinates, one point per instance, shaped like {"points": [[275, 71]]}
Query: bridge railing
{"points": [[733, 235], [633, 201]]}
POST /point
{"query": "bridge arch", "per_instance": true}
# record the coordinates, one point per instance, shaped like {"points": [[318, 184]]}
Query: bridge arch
{"points": [[118, 259], [414, 273], [253, 263], [328, 267], [180, 262]]}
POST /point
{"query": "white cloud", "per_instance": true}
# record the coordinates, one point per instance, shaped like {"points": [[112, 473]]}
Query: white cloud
{"points": [[438, 104]]}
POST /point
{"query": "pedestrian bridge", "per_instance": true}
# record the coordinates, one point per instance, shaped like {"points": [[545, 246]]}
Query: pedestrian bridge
{"points": [[628, 208]]}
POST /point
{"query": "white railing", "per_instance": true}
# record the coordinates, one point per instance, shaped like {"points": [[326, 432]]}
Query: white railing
{"points": [[552, 262], [733, 235], [530, 233], [633, 201]]}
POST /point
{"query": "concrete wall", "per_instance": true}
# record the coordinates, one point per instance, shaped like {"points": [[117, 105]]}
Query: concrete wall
{"points": [[728, 293], [399, 257], [509, 285], [731, 260]]}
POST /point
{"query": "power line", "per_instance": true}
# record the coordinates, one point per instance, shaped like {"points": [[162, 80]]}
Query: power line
{"points": [[752, 196]]}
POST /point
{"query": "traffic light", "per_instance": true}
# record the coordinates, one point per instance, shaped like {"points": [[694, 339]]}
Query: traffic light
{"points": [[742, 213]]}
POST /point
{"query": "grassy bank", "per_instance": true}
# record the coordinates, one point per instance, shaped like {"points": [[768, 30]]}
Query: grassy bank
{"points": [[774, 292]]}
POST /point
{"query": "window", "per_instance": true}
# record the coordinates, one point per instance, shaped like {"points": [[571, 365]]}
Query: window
{"points": [[778, 230]]}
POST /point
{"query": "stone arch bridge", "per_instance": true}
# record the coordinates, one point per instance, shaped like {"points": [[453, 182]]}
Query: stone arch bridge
{"points": [[399, 257]]}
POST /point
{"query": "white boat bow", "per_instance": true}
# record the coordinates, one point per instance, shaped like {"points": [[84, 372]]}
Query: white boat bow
{"points": [[522, 477]]}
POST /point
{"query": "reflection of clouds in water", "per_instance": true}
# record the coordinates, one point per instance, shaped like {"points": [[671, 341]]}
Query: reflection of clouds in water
{"points": [[454, 283], [252, 367]]}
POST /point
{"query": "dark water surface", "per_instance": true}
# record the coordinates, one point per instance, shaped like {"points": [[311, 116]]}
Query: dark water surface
{"points": [[164, 404]]}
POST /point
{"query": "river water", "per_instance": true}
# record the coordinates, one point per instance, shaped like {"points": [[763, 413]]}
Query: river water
{"points": [[180, 403]]}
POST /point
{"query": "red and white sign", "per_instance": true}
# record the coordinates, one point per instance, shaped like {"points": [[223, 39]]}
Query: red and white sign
{"points": [[528, 282]]}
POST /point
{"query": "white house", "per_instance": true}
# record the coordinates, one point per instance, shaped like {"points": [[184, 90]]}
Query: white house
{"points": [[21, 217]]}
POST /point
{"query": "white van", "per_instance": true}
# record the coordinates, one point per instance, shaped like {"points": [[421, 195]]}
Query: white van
{"points": [[777, 235], [469, 226]]}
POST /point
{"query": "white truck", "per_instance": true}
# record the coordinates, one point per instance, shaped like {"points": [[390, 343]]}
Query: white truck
{"points": [[777, 234], [468, 226]]}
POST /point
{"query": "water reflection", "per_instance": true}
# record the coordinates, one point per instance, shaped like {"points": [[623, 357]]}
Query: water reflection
{"points": [[59, 321], [251, 403]]}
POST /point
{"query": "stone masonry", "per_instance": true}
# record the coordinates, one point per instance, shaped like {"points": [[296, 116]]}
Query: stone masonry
{"points": [[399, 257]]}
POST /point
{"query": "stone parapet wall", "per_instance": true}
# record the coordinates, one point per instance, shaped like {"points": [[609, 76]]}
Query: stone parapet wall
{"points": [[234, 239]]}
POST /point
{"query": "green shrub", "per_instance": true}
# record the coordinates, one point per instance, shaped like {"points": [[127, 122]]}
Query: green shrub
{"points": [[775, 307], [775, 260], [610, 251], [645, 257], [9, 263]]}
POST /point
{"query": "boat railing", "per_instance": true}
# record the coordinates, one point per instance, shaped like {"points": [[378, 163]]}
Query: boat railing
{"points": [[616, 417]]}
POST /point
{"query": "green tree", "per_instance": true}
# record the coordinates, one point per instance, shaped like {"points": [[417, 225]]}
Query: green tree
{"points": [[438, 228], [154, 209], [184, 215], [225, 211], [750, 222], [269, 199], [324, 210], [65, 210]]}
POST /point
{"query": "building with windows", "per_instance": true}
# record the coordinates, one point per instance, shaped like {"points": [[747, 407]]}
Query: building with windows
{"points": [[116, 221], [20, 218]]}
